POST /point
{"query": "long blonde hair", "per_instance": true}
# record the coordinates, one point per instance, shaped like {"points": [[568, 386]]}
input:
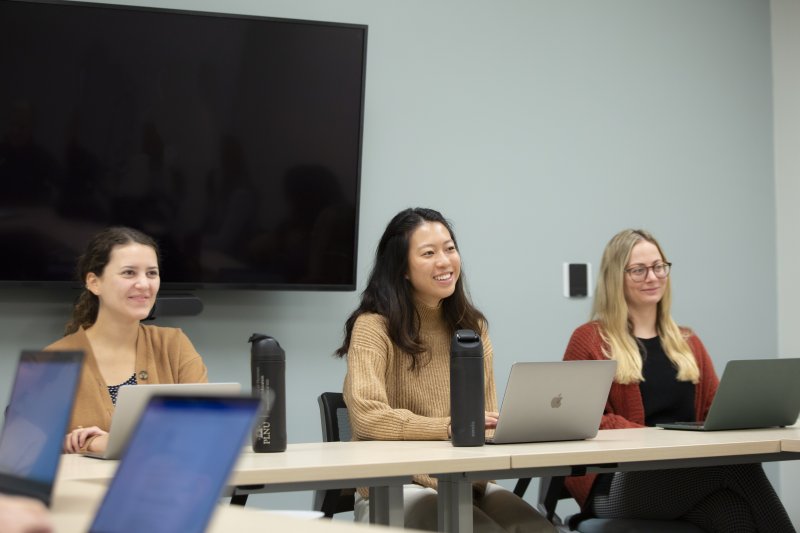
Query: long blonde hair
{"points": [[610, 309]]}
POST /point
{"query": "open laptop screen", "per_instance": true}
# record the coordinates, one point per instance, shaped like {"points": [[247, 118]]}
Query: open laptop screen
{"points": [[176, 464], [36, 421]]}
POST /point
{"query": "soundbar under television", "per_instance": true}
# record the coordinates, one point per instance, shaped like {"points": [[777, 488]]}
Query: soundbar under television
{"points": [[234, 140]]}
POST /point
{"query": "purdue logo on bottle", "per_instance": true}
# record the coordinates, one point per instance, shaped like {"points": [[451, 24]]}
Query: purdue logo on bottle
{"points": [[467, 411], [268, 373]]}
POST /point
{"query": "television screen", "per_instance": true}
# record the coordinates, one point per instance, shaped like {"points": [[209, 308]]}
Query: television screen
{"points": [[235, 141]]}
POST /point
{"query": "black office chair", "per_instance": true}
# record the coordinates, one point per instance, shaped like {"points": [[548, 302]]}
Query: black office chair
{"points": [[335, 427], [552, 489]]}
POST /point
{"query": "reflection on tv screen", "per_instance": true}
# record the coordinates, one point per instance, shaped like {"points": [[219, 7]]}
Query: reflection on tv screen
{"points": [[234, 141]]}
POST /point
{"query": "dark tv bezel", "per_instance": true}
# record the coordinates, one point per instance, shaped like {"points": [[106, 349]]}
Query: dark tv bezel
{"points": [[178, 286]]}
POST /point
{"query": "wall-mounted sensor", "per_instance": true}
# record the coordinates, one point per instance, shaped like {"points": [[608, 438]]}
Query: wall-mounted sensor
{"points": [[576, 280]]}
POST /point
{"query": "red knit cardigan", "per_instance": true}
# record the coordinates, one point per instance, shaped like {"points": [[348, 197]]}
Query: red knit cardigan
{"points": [[624, 408]]}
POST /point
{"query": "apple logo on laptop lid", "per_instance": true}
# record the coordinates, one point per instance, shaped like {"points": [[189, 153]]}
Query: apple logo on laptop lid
{"points": [[555, 403]]}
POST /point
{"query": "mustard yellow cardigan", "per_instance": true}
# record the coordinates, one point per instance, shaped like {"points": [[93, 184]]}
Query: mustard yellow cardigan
{"points": [[163, 355]]}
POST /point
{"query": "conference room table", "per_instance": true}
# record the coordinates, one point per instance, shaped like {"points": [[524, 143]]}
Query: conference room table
{"points": [[615, 451], [385, 466], [75, 503], [790, 445]]}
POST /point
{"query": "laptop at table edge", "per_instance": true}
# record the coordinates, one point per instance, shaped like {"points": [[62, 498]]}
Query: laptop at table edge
{"points": [[132, 399], [162, 413], [27, 484], [548, 401], [752, 394]]}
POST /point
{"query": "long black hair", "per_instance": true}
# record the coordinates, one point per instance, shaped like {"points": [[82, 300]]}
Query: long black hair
{"points": [[390, 294]]}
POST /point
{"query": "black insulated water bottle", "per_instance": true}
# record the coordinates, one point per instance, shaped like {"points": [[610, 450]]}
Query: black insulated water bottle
{"points": [[268, 373], [467, 413]]}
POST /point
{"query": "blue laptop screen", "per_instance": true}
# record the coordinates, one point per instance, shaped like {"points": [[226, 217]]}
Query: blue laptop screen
{"points": [[176, 464], [37, 416]]}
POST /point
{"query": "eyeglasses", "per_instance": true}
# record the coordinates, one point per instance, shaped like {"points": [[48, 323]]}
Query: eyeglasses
{"points": [[639, 272]]}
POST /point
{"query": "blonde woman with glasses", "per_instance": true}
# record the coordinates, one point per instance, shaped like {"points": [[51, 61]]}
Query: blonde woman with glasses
{"points": [[664, 374]]}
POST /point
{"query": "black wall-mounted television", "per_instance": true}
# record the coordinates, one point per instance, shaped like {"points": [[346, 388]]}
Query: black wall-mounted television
{"points": [[234, 140]]}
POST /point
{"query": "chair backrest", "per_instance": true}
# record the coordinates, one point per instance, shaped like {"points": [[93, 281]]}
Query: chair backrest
{"points": [[335, 427], [334, 418]]}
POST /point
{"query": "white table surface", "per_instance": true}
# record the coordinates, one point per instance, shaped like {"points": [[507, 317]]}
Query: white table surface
{"points": [[75, 503], [390, 463]]}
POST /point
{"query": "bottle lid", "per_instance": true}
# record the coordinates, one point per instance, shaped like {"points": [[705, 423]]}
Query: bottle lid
{"points": [[266, 347], [466, 343]]}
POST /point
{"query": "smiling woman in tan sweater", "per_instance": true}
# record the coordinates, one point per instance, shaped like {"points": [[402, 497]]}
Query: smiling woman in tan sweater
{"points": [[120, 273], [397, 345]]}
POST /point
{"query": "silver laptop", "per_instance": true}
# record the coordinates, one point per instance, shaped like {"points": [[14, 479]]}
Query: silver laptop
{"points": [[752, 393], [553, 401], [132, 399]]}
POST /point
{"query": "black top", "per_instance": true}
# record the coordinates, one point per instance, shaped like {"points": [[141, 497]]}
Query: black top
{"points": [[113, 390], [665, 398]]}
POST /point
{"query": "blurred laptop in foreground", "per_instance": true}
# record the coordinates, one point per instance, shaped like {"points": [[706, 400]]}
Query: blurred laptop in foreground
{"points": [[176, 464], [36, 421]]}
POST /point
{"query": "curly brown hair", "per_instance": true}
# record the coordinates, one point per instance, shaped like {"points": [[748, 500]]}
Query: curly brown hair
{"points": [[94, 259]]}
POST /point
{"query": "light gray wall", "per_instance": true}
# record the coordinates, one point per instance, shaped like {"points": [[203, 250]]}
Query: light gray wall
{"points": [[540, 128], [786, 76]]}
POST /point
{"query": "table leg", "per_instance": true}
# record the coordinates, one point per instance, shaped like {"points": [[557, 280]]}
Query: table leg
{"points": [[386, 506], [455, 504], [239, 499]]}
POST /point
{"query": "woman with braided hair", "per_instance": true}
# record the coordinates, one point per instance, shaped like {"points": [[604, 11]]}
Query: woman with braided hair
{"points": [[120, 275]]}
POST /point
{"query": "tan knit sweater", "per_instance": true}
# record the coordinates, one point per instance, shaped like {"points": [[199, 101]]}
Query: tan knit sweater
{"points": [[386, 400]]}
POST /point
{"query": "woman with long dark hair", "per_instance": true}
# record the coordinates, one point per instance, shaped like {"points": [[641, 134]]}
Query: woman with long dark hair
{"points": [[397, 345]]}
